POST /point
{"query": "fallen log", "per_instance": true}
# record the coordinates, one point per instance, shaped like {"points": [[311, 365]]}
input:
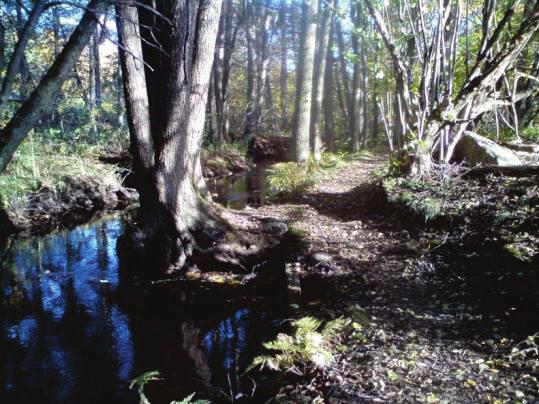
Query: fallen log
{"points": [[508, 171]]}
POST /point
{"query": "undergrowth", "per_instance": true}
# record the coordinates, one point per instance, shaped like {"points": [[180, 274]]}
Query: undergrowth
{"points": [[141, 381], [290, 180], [310, 347], [42, 166]]}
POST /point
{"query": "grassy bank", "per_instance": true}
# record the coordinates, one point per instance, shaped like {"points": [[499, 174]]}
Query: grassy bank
{"points": [[47, 184]]}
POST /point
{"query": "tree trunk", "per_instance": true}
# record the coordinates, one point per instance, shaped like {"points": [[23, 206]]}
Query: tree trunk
{"points": [[16, 62], [328, 104], [43, 96], [97, 68], [318, 79], [250, 113], [305, 85], [357, 126], [2, 45], [179, 219], [283, 80]]}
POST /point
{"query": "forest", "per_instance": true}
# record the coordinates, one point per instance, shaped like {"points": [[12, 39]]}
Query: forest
{"points": [[269, 201]]}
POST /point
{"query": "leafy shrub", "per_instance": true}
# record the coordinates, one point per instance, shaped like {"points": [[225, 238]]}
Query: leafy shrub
{"points": [[311, 346]]}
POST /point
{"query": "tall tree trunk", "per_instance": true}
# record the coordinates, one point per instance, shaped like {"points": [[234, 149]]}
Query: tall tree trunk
{"points": [[137, 108], [250, 113], [43, 96], [345, 77], [2, 45], [328, 104], [319, 73], [184, 221], [91, 107], [358, 114], [305, 84], [97, 68], [283, 80], [263, 40], [216, 101]]}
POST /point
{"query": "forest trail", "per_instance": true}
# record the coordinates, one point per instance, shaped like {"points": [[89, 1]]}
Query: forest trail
{"points": [[422, 335]]}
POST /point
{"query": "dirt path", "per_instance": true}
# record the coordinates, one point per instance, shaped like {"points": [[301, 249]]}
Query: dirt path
{"points": [[423, 339]]}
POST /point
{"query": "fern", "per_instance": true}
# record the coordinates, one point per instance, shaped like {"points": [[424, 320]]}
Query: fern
{"points": [[141, 381], [309, 347]]}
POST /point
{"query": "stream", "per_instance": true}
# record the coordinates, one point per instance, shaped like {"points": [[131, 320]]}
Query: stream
{"points": [[239, 191], [69, 334]]}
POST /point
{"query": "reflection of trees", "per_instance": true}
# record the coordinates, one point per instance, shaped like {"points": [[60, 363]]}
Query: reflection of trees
{"points": [[192, 344]]}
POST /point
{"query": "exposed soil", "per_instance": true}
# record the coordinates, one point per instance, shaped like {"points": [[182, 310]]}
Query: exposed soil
{"points": [[429, 331], [46, 210]]}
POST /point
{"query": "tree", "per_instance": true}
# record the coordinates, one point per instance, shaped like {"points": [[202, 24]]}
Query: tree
{"points": [[319, 76], [178, 222], [430, 123], [16, 62], [304, 83], [41, 99]]}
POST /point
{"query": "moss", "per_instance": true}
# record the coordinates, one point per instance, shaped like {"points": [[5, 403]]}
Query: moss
{"points": [[296, 231]]}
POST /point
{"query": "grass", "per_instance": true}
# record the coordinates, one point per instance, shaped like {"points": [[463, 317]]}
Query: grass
{"points": [[290, 180], [224, 158], [413, 194], [40, 166]]}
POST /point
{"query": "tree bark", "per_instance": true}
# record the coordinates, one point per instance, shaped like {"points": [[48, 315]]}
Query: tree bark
{"points": [[250, 113], [179, 218], [15, 64], [2, 45], [328, 101], [304, 85], [283, 80], [43, 96], [318, 79]]}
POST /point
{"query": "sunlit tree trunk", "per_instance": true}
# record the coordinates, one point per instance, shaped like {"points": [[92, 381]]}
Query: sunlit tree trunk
{"points": [[166, 142], [319, 74], [328, 102], [305, 84], [283, 80]]}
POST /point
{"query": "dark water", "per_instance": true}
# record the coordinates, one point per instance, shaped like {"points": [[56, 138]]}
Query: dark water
{"points": [[69, 334], [240, 190]]}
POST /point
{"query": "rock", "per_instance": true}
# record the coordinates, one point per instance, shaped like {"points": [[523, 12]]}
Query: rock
{"points": [[269, 148], [475, 150], [320, 257], [521, 146], [276, 228]]}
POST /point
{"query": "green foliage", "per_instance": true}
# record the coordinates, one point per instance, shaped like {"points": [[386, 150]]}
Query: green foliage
{"points": [[291, 179], [311, 346], [530, 133], [39, 165], [140, 382], [332, 160], [410, 192]]}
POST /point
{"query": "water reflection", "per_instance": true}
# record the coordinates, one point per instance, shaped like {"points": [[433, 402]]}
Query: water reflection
{"points": [[67, 335], [241, 190]]}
